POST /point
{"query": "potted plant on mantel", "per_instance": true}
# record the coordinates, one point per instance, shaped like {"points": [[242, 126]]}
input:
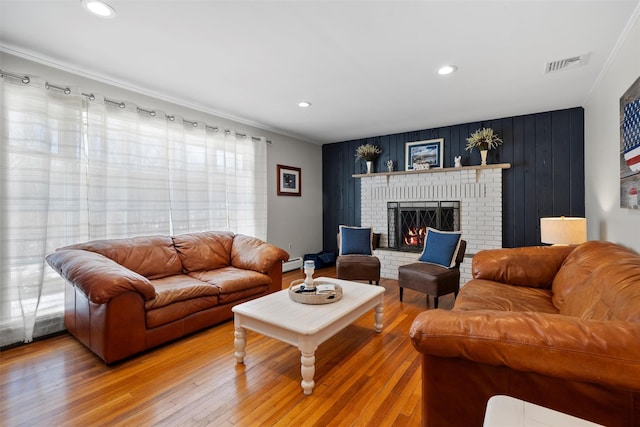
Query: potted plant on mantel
{"points": [[368, 152], [484, 140]]}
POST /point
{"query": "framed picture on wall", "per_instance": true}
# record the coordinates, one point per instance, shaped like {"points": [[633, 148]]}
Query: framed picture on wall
{"points": [[424, 154], [289, 181], [630, 147]]}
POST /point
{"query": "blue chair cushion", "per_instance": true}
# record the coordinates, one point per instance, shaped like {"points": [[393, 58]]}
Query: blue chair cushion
{"points": [[355, 240], [441, 247]]}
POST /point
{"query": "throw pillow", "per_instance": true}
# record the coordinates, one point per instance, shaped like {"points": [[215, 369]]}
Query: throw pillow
{"points": [[355, 240], [441, 247]]}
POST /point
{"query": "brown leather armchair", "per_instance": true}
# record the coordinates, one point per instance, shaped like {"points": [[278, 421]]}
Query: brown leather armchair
{"points": [[358, 266], [432, 279]]}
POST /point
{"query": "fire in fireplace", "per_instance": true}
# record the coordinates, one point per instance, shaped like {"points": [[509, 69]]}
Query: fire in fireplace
{"points": [[407, 222], [414, 236]]}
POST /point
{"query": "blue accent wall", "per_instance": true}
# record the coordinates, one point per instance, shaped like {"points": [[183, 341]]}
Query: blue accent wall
{"points": [[546, 178]]}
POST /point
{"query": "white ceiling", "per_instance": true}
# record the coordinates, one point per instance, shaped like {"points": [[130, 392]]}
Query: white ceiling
{"points": [[368, 67]]}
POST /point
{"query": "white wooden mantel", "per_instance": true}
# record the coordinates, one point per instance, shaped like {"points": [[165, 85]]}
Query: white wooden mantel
{"points": [[434, 170]]}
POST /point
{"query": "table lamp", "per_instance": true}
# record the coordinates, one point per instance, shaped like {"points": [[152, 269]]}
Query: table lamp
{"points": [[563, 230]]}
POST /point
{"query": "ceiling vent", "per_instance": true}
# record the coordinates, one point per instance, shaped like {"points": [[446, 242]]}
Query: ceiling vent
{"points": [[565, 64]]}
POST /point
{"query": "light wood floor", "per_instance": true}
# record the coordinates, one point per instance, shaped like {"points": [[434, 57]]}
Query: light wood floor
{"points": [[362, 378]]}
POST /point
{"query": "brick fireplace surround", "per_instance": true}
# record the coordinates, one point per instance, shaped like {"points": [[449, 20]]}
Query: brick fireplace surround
{"points": [[478, 188]]}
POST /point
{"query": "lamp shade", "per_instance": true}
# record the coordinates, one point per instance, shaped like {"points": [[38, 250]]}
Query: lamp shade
{"points": [[563, 230]]}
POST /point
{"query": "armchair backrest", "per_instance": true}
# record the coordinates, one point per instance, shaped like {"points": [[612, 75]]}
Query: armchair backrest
{"points": [[461, 250]]}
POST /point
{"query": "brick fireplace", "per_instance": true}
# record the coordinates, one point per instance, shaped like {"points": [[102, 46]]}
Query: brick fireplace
{"points": [[477, 189]]}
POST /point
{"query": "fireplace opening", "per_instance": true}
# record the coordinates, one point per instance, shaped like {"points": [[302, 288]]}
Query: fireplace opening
{"points": [[407, 222]]}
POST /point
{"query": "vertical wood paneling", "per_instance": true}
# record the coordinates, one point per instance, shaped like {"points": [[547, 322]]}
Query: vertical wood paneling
{"points": [[546, 151], [330, 212], [561, 159], [512, 179], [530, 228], [576, 147], [543, 166]]}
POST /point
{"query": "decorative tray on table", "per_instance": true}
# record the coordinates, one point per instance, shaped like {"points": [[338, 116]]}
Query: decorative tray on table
{"points": [[321, 293]]}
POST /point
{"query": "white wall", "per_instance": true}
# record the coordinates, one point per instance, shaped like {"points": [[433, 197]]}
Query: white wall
{"points": [[295, 221], [605, 219]]}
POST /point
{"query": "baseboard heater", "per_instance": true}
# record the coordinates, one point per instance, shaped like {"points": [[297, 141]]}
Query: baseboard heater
{"points": [[292, 264]]}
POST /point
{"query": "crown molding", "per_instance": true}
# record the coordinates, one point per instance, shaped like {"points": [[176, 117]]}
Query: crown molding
{"points": [[89, 74]]}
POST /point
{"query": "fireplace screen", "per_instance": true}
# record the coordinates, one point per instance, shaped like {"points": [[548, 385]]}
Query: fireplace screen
{"points": [[408, 222]]}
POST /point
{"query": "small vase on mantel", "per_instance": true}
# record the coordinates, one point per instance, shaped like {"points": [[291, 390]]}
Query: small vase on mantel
{"points": [[483, 156], [484, 139], [369, 166]]}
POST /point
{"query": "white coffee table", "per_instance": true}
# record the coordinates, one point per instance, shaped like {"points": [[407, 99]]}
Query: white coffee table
{"points": [[305, 326]]}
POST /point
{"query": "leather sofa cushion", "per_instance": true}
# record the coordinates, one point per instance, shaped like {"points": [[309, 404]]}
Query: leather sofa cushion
{"points": [[575, 271], [598, 281], [179, 310], [609, 293], [243, 294], [179, 288], [204, 251], [479, 294], [150, 256], [234, 283], [534, 266]]}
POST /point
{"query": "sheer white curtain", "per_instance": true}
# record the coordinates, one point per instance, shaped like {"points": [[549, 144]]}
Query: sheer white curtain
{"points": [[73, 170], [128, 171], [248, 202], [42, 199], [218, 181], [198, 194], [166, 175]]}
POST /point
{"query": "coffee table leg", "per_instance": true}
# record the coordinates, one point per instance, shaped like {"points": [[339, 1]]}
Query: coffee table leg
{"points": [[240, 342], [308, 369], [378, 317], [307, 366]]}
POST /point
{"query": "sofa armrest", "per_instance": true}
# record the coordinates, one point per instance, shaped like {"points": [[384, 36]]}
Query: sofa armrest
{"points": [[250, 253], [97, 276], [532, 266], [601, 352]]}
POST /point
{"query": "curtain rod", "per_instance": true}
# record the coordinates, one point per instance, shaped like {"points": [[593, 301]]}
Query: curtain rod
{"points": [[25, 79], [91, 97]]}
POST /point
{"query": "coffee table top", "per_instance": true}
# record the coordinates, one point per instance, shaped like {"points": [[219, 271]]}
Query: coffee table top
{"points": [[307, 319]]}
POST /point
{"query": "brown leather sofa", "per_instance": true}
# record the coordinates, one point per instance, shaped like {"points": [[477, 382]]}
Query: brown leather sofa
{"points": [[124, 296], [555, 326]]}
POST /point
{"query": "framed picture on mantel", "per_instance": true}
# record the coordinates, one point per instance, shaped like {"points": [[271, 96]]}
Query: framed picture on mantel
{"points": [[289, 181], [424, 154]]}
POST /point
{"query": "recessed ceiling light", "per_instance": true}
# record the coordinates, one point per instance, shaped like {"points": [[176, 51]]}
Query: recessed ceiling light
{"points": [[447, 69], [99, 8], [304, 104]]}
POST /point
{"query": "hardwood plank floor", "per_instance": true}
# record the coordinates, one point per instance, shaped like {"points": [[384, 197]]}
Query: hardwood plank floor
{"points": [[362, 378]]}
